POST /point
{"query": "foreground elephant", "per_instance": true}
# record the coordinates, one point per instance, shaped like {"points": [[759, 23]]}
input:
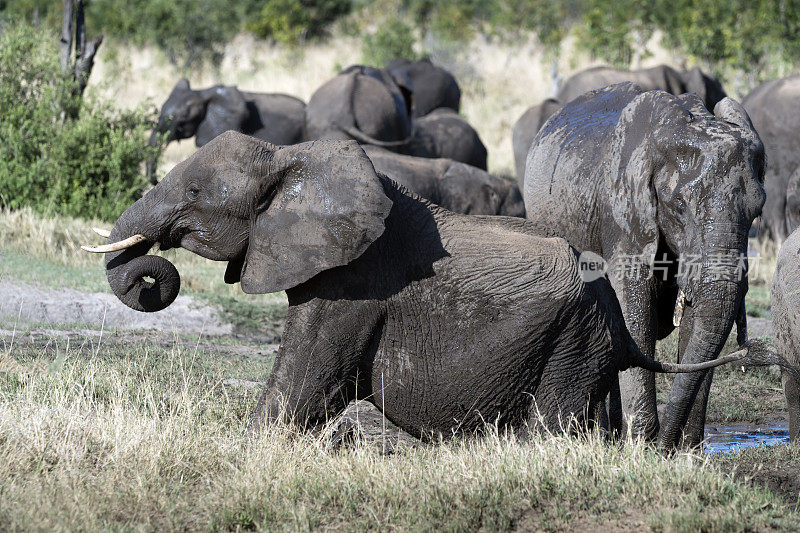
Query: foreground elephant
{"points": [[205, 113], [662, 78], [444, 322], [433, 87], [445, 133], [636, 176], [773, 108], [459, 187]]}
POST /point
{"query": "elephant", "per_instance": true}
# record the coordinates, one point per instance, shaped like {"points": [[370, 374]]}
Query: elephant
{"points": [[525, 130], [361, 103], [443, 321], [456, 186], [662, 77], [205, 113], [433, 87], [371, 106], [771, 106], [666, 193], [785, 292], [445, 133]]}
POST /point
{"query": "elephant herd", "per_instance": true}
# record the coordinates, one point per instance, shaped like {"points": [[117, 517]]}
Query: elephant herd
{"points": [[368, 206]]}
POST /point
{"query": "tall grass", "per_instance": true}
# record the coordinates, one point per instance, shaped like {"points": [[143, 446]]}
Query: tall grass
{"points": [[147, 438]]}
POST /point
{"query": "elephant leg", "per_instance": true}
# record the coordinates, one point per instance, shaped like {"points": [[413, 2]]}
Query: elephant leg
{"points": [[615, 410], [638, 386], [791, 389]]}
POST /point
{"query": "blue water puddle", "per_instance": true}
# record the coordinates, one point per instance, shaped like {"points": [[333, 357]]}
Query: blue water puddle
{"points": [[731, 439]]}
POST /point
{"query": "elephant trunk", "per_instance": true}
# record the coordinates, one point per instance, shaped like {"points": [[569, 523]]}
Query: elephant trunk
{"points": [[152, 158], [127, 269], [710, 319]]}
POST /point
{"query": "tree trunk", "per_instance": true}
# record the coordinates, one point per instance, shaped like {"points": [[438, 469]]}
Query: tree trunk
{"points": [[66, 35], [80, 69]]}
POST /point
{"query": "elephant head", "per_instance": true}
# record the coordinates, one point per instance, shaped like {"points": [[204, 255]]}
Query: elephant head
{"points": [[361, 103], [202, 114], [277, 215], [691, 183]]}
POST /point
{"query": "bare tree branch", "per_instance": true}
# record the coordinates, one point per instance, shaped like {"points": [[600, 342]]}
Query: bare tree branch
{"points": [[66, 36], [84, 64]]}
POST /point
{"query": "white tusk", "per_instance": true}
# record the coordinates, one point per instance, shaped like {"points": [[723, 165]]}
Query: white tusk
{"points": [[102, 232], [678, 314], [115, 246]]}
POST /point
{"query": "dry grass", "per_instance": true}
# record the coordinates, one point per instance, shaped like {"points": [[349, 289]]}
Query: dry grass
{"points": [[146, 438]]}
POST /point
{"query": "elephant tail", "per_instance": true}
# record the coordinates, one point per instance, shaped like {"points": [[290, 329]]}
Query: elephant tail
{"points": [[751, 353], [364, 138]]}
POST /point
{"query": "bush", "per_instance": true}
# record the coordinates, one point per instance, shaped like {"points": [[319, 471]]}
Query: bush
{"points": [[393, 39], [293, 21], [87, 167]]}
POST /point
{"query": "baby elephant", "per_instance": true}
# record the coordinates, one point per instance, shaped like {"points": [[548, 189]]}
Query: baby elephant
{"points": [[443, 321]]}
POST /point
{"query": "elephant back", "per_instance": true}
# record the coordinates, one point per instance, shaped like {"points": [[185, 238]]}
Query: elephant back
{"points": [[361, 103]]}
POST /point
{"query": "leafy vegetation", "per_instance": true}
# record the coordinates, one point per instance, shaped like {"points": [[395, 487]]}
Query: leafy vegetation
{"points": [[87, 166], [293, 21], [394, 39]]}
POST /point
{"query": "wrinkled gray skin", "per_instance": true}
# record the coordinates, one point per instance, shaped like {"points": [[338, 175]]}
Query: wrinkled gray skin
{"points": [[361, 103], [205, 113], [443, 321], [433, 87], [445, 133], [525, 130], [455, 186], [623, 172], [786, 321], [662, 77], [773, 107]]}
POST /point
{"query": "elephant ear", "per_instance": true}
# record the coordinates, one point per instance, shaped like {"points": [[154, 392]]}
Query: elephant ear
{"points": [[706, 87], [226, 110], [324, 207], [633, 153]]}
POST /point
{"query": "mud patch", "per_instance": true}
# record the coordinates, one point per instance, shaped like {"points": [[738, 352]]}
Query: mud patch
{"points": [[24, 304]]}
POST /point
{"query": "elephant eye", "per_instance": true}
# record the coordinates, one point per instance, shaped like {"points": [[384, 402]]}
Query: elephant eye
{"points": [[192, 191]]}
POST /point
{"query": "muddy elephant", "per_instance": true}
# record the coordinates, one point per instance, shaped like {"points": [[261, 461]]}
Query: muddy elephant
{"points": [[456, 186], [773, 108], [525, 130], [445, 133], [205, 113], [362, 103], [443, 321], [662, 77], [785, 294], [666, 193], [432, 86]]}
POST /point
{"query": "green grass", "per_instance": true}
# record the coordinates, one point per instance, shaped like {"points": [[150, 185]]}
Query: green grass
{"points": [[128, 435]]}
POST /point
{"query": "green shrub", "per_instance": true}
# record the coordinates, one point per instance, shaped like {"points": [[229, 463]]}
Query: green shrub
{"points": [[293, 21], [393, 39], [87, 167]]}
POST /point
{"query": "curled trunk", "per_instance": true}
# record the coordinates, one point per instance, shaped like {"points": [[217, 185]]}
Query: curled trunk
{"points": [[128, 269]]}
